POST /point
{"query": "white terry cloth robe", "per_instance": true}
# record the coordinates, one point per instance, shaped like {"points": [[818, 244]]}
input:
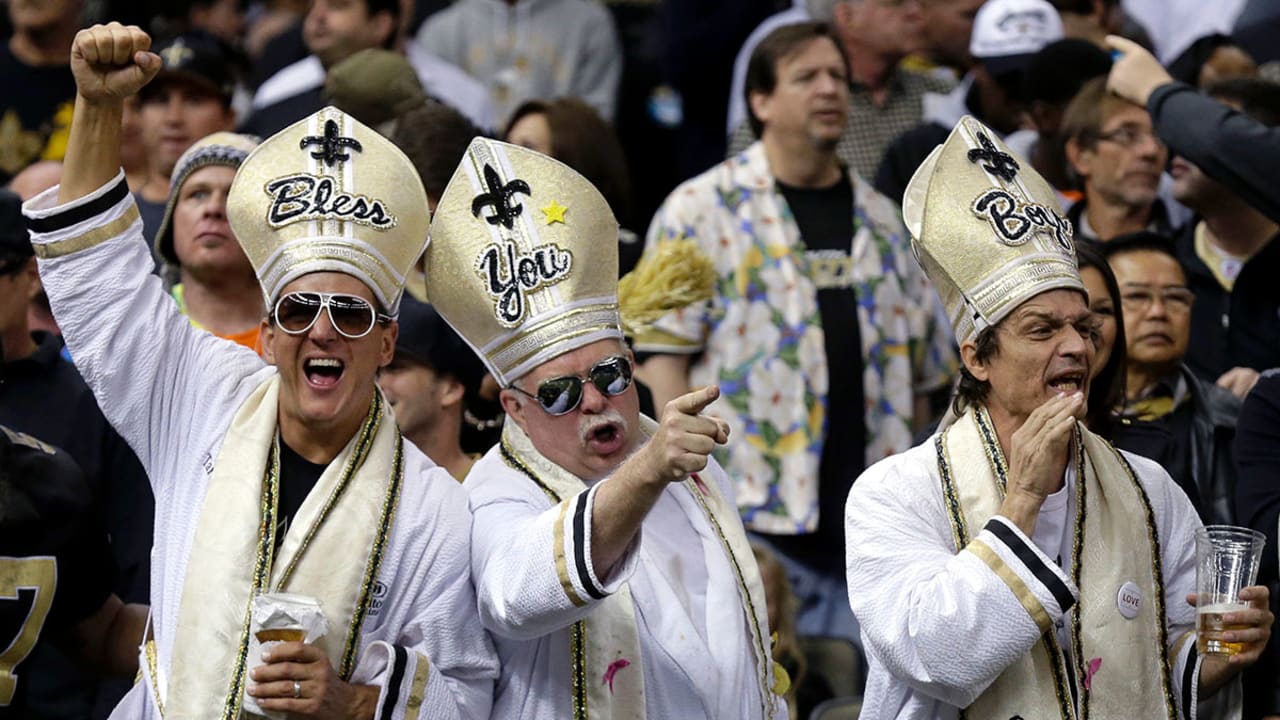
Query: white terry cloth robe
{"points": [[171, 391], [939, 626], [699, 642]]}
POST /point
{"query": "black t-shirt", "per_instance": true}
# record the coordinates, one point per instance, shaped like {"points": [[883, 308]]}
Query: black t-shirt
{"points": [[825, 217], [55, 564], [297, 476], [35, 112], [152, 215], [44, 396]]}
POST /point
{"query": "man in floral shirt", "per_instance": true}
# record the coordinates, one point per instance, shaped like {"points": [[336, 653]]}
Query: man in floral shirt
{"points": [[822, 332]]}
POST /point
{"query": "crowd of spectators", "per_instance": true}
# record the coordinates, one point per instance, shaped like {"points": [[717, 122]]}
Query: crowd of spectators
{"points": [[781, 138]]}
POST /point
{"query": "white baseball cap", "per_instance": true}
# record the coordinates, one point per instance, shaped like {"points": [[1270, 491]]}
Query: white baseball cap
{"points": [[1006, 33]]}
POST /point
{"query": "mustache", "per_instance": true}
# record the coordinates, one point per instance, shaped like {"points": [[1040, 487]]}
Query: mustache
{"points": [[589, 424]]}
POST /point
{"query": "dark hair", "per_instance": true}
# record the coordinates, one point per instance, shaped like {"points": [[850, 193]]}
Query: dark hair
{"points": [[1086, 113], [1257, 98], [1057, 72], [373, 7], [1136, 241], [584, 141], [435, 137], [1106, 391], [970, 391], [762, 68]]}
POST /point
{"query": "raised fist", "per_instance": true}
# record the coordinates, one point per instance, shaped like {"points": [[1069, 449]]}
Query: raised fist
{"points": [[684, 438], [111, 62]]}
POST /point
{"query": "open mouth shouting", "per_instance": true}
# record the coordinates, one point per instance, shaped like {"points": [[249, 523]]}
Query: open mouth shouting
{"points": [[323, 372], [604, 437], [1067, 382]]}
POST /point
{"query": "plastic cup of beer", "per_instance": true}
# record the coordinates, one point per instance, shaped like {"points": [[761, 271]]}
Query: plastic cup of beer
{"points": [[1226, 562]]}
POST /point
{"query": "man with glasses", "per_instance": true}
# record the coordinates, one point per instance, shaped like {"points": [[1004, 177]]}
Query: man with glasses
{"points": [[1169, 414], [288, 477], [1118, 161], [610, 563], [1015, 565]]}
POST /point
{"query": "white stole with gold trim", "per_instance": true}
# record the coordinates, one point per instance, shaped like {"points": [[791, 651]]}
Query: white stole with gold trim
{"points": [[610, 630], [1125, 661], [331, 551]]}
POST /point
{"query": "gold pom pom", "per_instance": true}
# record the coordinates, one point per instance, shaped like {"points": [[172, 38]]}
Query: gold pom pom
{"points": [[672, 275]]}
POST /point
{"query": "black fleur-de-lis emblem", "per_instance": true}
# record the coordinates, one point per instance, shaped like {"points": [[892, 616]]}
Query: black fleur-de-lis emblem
{"points": [[499, 198], [331, 144], [998, 163]]}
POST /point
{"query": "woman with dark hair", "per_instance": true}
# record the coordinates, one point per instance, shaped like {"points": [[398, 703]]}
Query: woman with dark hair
{"points": [[572, 132], [1106, 383]]}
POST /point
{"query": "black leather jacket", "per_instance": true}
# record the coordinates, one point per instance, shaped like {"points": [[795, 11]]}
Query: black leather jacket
{"points": [[1213, 431]]}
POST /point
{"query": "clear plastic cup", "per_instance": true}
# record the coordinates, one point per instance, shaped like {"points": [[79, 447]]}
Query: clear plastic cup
{"points": [[1227, 560]]}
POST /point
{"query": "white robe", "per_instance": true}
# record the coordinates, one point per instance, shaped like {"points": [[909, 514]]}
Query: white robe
{"points": [[696, 648], [938, 626], [171, 391]]}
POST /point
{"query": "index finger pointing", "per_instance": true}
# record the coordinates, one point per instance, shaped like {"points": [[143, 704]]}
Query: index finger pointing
{"points": [[1124, 45], [694, 402]]}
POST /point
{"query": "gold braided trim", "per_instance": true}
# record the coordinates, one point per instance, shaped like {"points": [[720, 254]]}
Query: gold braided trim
{"points": [[92, 238], [375, 556], [562, 563], [510, 457], [261, 577], [992, 445], [1020, 590], [766, 666], [577, 631], [1077, 568], [149, 648], [418, 690], [364, 441], [959, 531], [578, 664], [1157, 573], [1057, 664]]}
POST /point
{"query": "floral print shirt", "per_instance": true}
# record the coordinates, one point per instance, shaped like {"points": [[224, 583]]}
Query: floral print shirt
{"points": [[760, 337]]}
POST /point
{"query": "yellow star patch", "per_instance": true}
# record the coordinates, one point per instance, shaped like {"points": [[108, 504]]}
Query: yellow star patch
{"points": [[555, 212]]}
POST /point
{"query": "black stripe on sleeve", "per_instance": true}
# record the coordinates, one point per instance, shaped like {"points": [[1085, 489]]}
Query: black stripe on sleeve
{"points": [[1060, 591], [580, 546], [78, 214], [393, 687], [1188, 681]]}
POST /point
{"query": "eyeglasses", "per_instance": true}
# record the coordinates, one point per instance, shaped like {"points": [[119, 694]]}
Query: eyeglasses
{"points": [[1126, 136], [352, 316], [560, 395], [1175, 299]]}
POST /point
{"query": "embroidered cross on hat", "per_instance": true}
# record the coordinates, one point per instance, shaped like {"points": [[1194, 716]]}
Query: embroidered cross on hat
{"points": [[986, 229], [523, 286], [331, 144], [330, 194]]}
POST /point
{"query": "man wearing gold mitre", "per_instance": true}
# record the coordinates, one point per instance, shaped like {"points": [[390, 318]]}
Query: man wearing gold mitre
{"points": [[1015, 564], [284, 477], [610, 563]]}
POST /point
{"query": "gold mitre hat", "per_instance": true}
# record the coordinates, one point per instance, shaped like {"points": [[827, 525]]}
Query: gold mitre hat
{"points": [[523, 258], [329, 194], [987, 229]]}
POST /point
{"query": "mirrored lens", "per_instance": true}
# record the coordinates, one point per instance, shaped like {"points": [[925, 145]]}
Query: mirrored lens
{"points": [[560, 395], [613, 376], [296, 312], [351, 315]]}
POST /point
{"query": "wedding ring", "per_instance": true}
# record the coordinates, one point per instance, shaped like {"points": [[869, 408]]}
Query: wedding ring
{"points": [[297, 689]]}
